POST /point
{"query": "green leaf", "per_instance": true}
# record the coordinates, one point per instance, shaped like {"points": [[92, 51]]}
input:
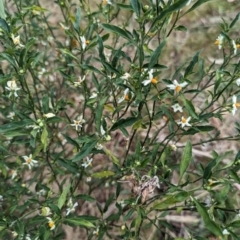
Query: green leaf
{"points": [[190, 67], [171, 200], [4, 25], [8, 58], [79, 222], [172, 8], [209, 223], [45, 103], [129, 214], [15, 125], [103, 174], [112, 157], [186, 159], [67, 52], [70, 140], [124, 123], [181, 28], [99, 111], [218, 81], [195, 5], [156, 54], [86, 198], [85, 151], [234, 20], [208, 170], [198, 129], [63, 196], [190, 108], [2, 12], [117, 30], [136, 6], [44, 138], [76, 24]]}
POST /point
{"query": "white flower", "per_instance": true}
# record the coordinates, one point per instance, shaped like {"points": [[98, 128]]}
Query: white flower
{"points": [[88, 179], [99, 146], [42, 192], [176, 107], [13, 173], [11, 115], [16, 41], [51, 223], [177, 87], [234, 47], [126, 76], [150, 79], [96, 232], [238, 213], [49, 115], [105, 2], [235, 104], [28, 237], [29, 161], [78, 123], [173, 147], [238, 81], [63, 26], [185, 122], [102, 130], [219, 41], [12, 87], [84, 42], [46, 211], [225, 232], [71, 206], [94, 95], [87, 163], [125, 96], [79, 81]]}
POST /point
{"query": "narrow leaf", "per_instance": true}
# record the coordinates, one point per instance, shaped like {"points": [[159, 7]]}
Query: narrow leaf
{"points": [[191, 65], [79, 222], [195, 5], [63, 197], [85, 151], [117, 30], [190, 108], [77, 19], [99, 111], [103, 174], [186, 159], [156, 54], [209, 223], [136, 6], [174, 7], [234, 20], [2, 12]]}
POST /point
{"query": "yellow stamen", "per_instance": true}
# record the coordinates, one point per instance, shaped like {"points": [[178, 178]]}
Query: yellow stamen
{"points": [[76, 122], [51, 224], [87, 42], [154, 81], [104, 2], [178, 88], [237, 45], [217, 42], [184, 120], [29, 160], [126, 98], [237, 104]]}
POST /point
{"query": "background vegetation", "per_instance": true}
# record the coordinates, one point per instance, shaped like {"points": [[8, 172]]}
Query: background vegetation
{"points": [[119, 120]]}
